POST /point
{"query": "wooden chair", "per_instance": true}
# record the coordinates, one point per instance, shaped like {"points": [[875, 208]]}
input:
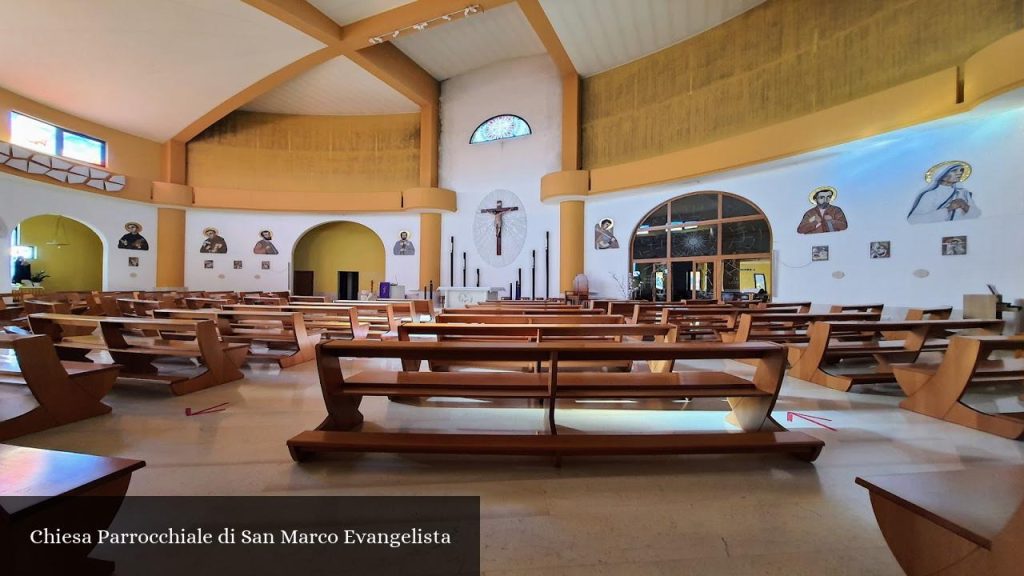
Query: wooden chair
{"points": [[39, 489], [937, 390], [65, 391], [751, 400], [952, 523]]}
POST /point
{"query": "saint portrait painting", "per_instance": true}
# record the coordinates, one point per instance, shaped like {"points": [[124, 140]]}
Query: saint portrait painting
{"points": [[213, 244], [944, 199], [265, 246], [404, 246], [604, 235], [823, 216], [133, 240]]}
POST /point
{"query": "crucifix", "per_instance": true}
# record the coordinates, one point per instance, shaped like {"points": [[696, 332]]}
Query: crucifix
{"points": [[499, 216]]}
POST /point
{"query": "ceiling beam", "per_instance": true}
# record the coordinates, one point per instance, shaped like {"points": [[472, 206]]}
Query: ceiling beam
{"points": [[538, 19], [387, 62], [302, 16]]}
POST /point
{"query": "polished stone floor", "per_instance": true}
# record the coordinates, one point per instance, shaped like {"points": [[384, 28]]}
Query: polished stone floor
{"points": [[700, 515]]}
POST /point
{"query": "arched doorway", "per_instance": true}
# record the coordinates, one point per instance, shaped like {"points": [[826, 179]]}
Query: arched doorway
{"points": [[704, 245], [66, 250], [334, 247]]}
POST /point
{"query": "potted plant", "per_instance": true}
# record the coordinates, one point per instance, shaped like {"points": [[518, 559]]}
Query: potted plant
{"points": [[38, 277]]}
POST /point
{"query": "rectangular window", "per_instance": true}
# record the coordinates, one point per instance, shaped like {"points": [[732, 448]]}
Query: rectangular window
{"points": [[55, 141]]}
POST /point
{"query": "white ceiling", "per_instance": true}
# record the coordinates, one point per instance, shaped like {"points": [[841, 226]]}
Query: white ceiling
{"points": [[469, 43], [146, 67], [602, 34], [337, 87], [347, 11]]}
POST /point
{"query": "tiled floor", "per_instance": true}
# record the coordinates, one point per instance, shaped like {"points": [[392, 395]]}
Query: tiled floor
{"points": [[661, 515]]}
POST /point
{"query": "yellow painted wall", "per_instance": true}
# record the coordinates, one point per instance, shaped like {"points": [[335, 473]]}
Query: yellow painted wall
{"points": [[338, 246], [315, 154], [781, 60], [77, 266], [137, 158], [750, 267]]}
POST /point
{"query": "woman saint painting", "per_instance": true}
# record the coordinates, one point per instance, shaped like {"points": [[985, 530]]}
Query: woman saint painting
{"points": [[944, 199]]}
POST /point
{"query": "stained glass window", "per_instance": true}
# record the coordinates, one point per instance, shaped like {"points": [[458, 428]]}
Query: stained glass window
{"points": [[500, 128], [55, 141]]}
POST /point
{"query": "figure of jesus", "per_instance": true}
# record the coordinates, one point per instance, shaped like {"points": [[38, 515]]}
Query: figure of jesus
{"points": [[499, 215]]}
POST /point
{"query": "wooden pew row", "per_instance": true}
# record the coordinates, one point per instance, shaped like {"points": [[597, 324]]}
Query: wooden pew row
{"points": [[710, 323], [64, 391], [952, 523], [836, 308], [530, 319], [751, 400], [514, 310], [937, 390], [785, 328], [120, 337], [277, 331], [329, 322], [819, 360], [419, 310], [802, 307], [39, 489]]}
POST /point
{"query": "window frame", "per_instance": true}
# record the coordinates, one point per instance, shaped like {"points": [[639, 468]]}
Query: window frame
{"points": [[529, 129], [59, 143]]}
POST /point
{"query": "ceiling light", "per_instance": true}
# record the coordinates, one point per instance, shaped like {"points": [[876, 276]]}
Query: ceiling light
{"points": [[396, 33], [420, 26], [465, 13]]}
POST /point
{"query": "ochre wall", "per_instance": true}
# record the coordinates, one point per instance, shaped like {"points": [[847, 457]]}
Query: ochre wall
{"points": [[137, 158], [323, 154], [77, 266], [778, 61], [338, 246]]}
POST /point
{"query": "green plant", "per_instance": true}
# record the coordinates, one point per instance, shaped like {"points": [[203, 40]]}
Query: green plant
{"points": [[39, 276]]}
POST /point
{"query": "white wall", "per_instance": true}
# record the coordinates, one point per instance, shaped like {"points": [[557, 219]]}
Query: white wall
{"points": [[527, 87], [241, 231], [877, 179], [23, 198]]}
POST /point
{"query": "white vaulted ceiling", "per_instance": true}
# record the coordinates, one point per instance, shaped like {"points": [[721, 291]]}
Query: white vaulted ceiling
{"points": [[603, 34], [337, 87], [146, 67], [466, 44], [347, 11]]}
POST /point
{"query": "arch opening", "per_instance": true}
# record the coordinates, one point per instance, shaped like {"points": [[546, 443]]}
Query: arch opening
{"points": [[702, 246], [340, 246], [69, 253]]}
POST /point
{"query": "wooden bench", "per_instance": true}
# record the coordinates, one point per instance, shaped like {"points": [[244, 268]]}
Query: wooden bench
{"points": [[751, 400], [64, 391], [307, 299], [520, 310], [530, 319], [329, 321], [135, 343], [275, 330], [39, 489], [819, 360], [952, 523], [801, 306], [784, 328], [937, 390], [836, 308]]}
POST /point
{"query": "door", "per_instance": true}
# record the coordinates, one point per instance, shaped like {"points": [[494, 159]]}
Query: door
{"points": [[348, 285], [302, 282], [652, 280], [693, 280]]}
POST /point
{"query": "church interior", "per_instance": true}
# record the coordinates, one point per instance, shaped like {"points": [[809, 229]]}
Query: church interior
{"points": [[706, 287]]}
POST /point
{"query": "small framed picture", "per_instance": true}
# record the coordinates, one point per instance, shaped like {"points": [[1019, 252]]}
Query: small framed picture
{"points": [[880, 249], [265, 265], [759, 282], [208, 264], [819, 253], [954, 245], [237, 265], [133, 261]]}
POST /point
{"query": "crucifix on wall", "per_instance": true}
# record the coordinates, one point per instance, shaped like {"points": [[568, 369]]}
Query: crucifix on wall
{"points": [[499, 215]]}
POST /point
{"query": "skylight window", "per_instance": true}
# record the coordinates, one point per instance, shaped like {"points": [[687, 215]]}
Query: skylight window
{"points": [[55, 141], [500, 128]]}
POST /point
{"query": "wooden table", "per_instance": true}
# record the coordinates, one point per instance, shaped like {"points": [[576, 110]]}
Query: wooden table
{"points": [[35, 490], [962, 523]]}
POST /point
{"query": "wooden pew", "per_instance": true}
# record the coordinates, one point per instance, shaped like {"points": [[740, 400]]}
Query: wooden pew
{"points": [[937, 390], [519, 310], [818, 360], [119, 337], [952, 523], [784, 328], [306, 299], [328, 321], [530, 319], [751, 400], [836, 308], [65, 391], [38, 489], [276, 330], [803, 307]]}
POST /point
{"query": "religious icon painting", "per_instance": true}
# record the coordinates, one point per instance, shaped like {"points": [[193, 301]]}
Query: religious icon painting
{"points": [[954, 245], [944, 198], [237, 265], [880, 249], [265, 246], [824, 215], [404, 246], [819, 253], [133, 240], [604, 235], [208, 264], [214, 243], [499, 228], [133, 261]]}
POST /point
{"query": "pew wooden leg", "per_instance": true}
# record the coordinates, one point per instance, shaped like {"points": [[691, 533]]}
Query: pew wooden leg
{"points": [[134, 363], [1005, 426], [199, 382], [753, 414], [342, 413]]}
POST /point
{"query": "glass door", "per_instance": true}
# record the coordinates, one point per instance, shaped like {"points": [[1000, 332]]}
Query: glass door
{"points": [[693, 280], [652, 280]]}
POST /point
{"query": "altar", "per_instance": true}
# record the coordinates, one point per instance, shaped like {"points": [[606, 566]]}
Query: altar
{"points": [[455, 297]]}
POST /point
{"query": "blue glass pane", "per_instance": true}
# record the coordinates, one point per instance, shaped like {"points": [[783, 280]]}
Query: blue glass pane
{"points": [[32, 133], [83, 148], [499, 128]]}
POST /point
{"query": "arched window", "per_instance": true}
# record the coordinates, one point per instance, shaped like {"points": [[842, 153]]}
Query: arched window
{"points": [[705, 245], [500, 128]]}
